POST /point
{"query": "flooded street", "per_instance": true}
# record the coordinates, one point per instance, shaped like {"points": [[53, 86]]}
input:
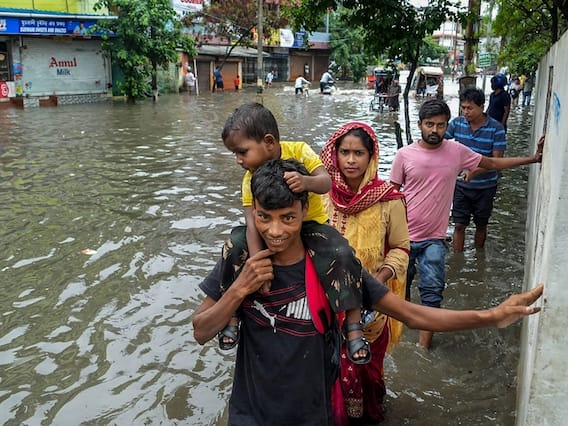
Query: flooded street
{"points": [[111, 216]]}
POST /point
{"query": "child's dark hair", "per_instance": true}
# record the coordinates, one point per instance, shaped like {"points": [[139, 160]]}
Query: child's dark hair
{"points": [[253, 120], [473, 94], [434, 107], [269, 188], [359, 133]]}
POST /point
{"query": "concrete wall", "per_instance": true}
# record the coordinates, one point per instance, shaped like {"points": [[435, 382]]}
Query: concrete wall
{"points": [[543, 381]]}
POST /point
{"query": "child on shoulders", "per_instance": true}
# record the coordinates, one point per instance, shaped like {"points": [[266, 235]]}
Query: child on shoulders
{"points": [[251, 133]]}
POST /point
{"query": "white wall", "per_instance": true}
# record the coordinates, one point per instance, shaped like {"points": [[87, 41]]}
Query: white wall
{"points": [[543, 381]]}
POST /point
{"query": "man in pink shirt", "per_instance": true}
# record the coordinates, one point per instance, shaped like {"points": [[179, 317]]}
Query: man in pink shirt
{"points": [[427, 172]]}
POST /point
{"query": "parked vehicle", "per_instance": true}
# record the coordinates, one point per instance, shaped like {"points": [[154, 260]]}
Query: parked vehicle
{"points": [[428, 82], [380, 80]]}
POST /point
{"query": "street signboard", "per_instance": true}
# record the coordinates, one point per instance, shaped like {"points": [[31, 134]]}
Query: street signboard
{"points": [[484, 60]]}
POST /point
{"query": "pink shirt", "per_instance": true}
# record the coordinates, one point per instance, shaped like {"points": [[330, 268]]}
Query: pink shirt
{"points": [[428, 178]]}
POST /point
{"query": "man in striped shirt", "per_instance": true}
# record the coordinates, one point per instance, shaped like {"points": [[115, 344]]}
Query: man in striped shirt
{"points": [[426, 171], [473, 196]]}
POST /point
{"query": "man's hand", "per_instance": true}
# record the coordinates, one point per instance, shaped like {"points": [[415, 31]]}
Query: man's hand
{"points": [[517, 306], [295, 181], [256, 272], [466, 175], [539, 149]]}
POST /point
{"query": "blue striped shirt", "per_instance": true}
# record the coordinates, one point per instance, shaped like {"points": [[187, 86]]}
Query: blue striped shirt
{"points": [[488, 138]]}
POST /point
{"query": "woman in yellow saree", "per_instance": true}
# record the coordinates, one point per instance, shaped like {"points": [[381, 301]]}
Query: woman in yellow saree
{"points": [[371, 214]]}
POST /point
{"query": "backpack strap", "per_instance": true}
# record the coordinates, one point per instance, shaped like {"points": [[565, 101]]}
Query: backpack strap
{"points": [[317, 300]]}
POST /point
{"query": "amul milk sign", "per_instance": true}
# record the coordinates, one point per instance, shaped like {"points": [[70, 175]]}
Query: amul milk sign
{"points": [[62, 68]]}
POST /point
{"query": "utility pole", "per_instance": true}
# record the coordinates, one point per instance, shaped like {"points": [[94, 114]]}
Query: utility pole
{"points": [[259, 34], [488, 40]]}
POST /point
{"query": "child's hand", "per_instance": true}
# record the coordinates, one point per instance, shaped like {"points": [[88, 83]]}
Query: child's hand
{"points": [[265, 288], [295, 181]]}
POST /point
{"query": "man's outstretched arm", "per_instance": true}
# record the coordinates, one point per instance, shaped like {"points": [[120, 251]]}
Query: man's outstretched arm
{"points": [[492, 163], [436, 319]]}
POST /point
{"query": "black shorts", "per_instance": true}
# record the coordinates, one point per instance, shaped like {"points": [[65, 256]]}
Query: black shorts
{"points": [[473, 202]]}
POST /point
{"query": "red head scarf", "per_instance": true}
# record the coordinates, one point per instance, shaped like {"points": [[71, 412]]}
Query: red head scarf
{"points": [[372, 188]]}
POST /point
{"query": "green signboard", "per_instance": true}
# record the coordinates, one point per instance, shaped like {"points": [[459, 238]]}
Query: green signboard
{"points": [[484, 60]]}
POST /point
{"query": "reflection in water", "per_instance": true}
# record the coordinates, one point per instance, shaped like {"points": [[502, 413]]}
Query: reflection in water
{"points": [[106, 338]]}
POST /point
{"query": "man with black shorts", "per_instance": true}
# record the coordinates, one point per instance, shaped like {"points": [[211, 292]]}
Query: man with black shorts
{"points": [[473, 196]]}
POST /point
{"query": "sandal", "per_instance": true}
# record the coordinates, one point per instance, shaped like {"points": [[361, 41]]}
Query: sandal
{"points": [[356, 344], [230, 332]]}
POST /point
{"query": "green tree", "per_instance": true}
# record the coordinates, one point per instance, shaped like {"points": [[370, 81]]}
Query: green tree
{"points": [[391, 27], [348, 49], [236, 21], [529, 28], [145, 36], [431, 51]]}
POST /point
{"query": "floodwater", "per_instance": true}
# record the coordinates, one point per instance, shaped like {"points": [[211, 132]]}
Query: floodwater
{"points": [[112, 214]]}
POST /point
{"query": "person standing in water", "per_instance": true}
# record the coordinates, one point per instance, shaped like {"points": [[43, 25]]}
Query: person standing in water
{"points": [[371, 214]]}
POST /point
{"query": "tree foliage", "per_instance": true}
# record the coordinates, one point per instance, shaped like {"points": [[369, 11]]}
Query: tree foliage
{"points": [[529, 28], [348, 49], [235, 21], [145, 36], [392, 27], [431, 51]]}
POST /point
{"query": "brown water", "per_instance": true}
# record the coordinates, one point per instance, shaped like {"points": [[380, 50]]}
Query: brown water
{"points": [[106, 337]]}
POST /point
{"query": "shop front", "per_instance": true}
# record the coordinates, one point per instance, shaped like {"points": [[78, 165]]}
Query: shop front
{"points": [[51, 59]]}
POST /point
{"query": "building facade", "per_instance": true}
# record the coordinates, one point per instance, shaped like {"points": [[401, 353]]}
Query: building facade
{"points": [[49, 56], [284, 53], [450, 35]]}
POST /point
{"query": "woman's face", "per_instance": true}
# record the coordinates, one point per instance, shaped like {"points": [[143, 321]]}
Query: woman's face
{"points": [[353, 159]]}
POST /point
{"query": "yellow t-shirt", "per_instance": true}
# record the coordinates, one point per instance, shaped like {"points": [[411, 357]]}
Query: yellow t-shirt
{"points": [[302, 152]]}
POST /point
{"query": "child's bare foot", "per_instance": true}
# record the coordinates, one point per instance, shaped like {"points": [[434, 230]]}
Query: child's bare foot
{"points": [[229, 336]]}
